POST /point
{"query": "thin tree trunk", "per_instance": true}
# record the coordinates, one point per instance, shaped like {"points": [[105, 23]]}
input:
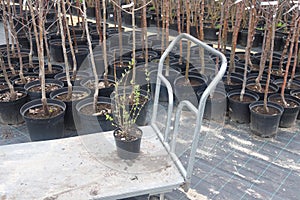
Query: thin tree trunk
{"points": [[120, 30], [133, 46], [201, 36], [295, 64], [92, 57], [62, 16], [188, 13], [240, 9], [271, 36], [104, 41], [10, 86], [251, 30], [167, 11], [98, 22], [295, 31], [179, 29]]}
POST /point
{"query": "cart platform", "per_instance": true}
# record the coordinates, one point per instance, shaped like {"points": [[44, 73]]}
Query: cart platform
{"points": [[71, 169]]}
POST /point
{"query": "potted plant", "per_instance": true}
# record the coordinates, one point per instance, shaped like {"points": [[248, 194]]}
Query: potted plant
{"points": [[239, 100], [42, 114], [265, 115], [11, 99]]}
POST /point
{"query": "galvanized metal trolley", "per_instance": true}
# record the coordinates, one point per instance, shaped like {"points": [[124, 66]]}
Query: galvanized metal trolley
{"points": [[87, 167]]}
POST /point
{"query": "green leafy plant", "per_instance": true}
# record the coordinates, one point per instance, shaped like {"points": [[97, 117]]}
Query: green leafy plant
{"points": [[128, 102]]}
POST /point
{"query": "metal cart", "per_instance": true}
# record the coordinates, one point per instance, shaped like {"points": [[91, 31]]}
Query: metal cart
{"points": [[87, 167]]}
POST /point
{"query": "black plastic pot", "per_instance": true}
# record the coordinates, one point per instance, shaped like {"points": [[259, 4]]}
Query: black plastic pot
{"points": [[80, 76], [289, 114], [163, 94], [44, 129], [243, 36], [295, 85], [210, 33], [36, 95], [296, 94], [236, 81], [56, 70], [16, 80], [56, 50], [128, 149], [188, 91], [239, 110], [273, 89], [30, 66], [216, 106], [80, 56], [69, 118], [140, 55], [103, 92], [86, 124], [265, 125], [99, 62], [119, 66], [9, 111]]}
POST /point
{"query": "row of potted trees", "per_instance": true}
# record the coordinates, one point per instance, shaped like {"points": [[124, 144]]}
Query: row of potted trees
{"points": [[123, 65]]}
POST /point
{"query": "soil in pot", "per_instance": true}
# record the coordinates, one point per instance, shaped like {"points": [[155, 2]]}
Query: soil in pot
{"points": [[40, 125], [105, 87], [34, 88], [239, 110], [3, 85], [78, 93], [56, 69], [74, 80], [120, 67], [295, 85], [29, 77], [128, 144], [291, 109], [10, 106], [90, 121], [262, 123], [260, 91]]}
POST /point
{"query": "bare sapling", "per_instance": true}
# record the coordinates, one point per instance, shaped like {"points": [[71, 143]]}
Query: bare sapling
{"points": [[5, 25], [238, 16], [62, 17], [201, 35], [96, 85], [178, 12], [145, 34], [13, 94], [295, 34], [167, 12], [188, 12], [98, 22], [295, 64], [271, 35], [286, 45], [73, 29], [104, 48], [265, 51], [15, 38], [250, 37], [40, 48]]}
